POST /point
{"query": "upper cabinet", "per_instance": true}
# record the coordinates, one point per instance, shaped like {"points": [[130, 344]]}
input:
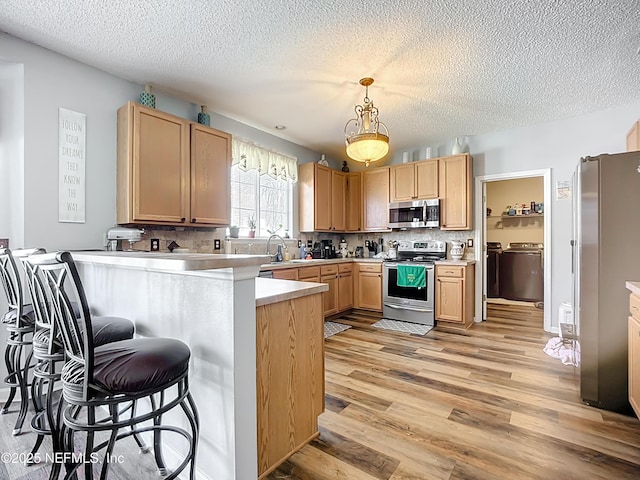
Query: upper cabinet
{"points": [[455, 174], [171, 171], [322, 200], [633, 138], [354, 202], [414, 181], [375, 199]]}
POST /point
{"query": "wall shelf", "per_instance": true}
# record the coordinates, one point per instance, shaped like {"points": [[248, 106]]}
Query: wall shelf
{"points": [[531, 215]]}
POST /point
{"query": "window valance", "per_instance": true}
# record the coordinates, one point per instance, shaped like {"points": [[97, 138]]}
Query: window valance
{"points": [[249, 156]]}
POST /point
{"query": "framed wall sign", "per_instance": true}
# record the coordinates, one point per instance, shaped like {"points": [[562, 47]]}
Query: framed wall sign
{"points": [[71, 165]]}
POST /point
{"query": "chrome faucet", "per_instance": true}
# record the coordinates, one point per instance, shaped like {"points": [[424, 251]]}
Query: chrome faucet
{"points": [[278, 256]]}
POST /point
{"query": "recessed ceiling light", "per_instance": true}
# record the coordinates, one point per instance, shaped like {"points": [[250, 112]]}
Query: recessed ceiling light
{"points": [[280, 127]]}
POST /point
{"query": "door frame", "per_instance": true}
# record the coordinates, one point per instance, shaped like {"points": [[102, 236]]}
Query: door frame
{"points": [[481, 235]]}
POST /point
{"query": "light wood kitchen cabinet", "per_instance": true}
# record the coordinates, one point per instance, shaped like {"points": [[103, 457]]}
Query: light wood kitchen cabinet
{"points": [[285, 273], [455, 177], [289, 378], [454, 294], [309, 274], [633, 138], [354, 202], [322, 195], [170, 171], [375, 199], [345, 286], [414, 181], [634, 353], [368, 286], [329, 275]]}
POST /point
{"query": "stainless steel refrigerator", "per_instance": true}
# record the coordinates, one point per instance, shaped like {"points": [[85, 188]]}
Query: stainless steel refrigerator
{"points": [[606, 254]]}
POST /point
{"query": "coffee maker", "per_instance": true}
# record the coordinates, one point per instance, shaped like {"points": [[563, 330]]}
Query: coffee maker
{"points": [[328, 249]]}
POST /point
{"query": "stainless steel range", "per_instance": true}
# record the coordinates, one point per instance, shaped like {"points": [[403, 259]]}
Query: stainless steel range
{"points": [[412, 303]]}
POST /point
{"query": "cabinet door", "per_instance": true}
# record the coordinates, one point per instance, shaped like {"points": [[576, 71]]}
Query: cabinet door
{"points": [[449, 299], [345, 291], [210, 171], [375, 193], [634, 364], [354, 202], [369, 291], [455, 192], [338, 204], [160, 167], [427, 179], [403, 184], [322, 197], [330, 298], [286, 274]]}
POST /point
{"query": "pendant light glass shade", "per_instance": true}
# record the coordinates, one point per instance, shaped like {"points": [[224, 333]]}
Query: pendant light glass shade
{"points": [[366, 137]]}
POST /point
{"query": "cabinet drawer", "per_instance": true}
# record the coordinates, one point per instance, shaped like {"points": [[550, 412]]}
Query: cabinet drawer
{"points": [[308, 272], [634, 306], [449, 271], [345, 267], [370, 267], [328, 269]]}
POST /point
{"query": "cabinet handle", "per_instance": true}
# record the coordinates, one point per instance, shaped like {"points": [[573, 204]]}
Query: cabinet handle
{"points": [[193, 220], [183, 219]]}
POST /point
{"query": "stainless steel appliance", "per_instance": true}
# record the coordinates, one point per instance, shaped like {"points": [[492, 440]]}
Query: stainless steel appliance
{"points": [[494, 250], [521, 273], [605, 256], [415, 214], [411, 304]]}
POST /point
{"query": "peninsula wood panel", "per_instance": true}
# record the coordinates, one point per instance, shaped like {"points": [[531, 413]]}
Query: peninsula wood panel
{"points": [[290, 377]]}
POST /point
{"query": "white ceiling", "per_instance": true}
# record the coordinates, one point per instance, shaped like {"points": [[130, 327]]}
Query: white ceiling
{"points": [[442, 68]]}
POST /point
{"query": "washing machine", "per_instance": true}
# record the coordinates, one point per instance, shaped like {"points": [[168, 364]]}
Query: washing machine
{"points": [[494, 250], [520, 272]]}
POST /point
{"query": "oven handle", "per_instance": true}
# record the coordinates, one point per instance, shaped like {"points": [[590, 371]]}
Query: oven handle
{"points": [[396, 307], [427, 266]]}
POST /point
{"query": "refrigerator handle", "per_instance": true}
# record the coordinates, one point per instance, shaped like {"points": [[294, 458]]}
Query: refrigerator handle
{"points": [[573, 252]]}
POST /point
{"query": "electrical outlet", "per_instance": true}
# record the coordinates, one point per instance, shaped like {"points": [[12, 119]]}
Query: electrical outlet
{"points": [[216, 244], [155, 244], [4, 243], [470, 242]]}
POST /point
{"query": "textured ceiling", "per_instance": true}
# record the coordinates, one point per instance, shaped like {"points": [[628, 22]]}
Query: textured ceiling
{"points": [[442, 68]]}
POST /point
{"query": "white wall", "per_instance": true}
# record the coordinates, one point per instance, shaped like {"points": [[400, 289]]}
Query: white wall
{"points": [[558, 145], [52, 81]]}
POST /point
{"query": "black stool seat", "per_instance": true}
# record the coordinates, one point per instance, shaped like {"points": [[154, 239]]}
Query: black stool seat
{"points": [[28, 315], [130, 366], [111, 329]]}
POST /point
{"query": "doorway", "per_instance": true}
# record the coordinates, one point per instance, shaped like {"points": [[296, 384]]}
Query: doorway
{"points": [[496, 192]]}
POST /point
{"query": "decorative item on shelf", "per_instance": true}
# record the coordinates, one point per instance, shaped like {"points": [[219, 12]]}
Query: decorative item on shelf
{"points": [[405, 157], [252, 226], [203, 117], [488, 212], [427, 153], [366, 137], [457, 147], [147, 98], [457, 250], [345, 168], [323, 160]]}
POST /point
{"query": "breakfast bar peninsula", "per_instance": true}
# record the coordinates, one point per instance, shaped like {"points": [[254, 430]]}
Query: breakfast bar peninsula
{"points": [[257, 355]]}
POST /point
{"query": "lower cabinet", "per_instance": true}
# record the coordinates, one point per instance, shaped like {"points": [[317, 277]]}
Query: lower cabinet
{"points": [[368, 286], [286, 274], [345, 286], [289, 378], [329, 275], [634, 353], [455, 294]]}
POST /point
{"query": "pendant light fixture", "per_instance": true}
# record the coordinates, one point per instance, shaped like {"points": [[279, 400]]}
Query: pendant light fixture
{"points": [[366, 137]]}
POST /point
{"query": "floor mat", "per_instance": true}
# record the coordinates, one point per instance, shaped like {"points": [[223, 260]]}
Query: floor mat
{"points": [[331, 328], [398, 326]]}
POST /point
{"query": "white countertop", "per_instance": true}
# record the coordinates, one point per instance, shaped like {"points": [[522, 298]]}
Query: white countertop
{"points": [[170, 261], [316, 261], [455, 262], [634, 287], [271, 290]]}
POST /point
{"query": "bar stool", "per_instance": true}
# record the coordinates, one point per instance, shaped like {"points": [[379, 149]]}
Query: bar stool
{"points": [[20, 324], [48, 350], [105, 377]]}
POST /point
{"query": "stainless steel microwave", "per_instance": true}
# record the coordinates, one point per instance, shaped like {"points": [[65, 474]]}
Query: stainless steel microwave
{"points": [[415, 214]]}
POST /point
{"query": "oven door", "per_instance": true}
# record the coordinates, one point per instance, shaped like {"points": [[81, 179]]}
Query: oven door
{"points": [[408, 303]]}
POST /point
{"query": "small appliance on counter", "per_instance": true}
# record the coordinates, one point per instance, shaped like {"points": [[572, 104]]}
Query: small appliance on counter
{"points": [[344, 249], [116, 235], [328, 250]]}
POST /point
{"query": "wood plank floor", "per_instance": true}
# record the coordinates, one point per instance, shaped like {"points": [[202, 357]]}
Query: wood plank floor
{"points": [[485, 403]]}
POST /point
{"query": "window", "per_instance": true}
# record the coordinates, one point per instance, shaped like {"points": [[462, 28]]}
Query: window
{"points": [[261, 189]]}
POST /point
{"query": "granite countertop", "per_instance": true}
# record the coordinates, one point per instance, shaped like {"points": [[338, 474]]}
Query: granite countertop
{"points": [[271, 290], [170, 261], [634, 287], [455, 262], [316, 261]]}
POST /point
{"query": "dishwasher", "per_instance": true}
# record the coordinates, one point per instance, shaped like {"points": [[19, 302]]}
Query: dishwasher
{"points": [[521, 273]]}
